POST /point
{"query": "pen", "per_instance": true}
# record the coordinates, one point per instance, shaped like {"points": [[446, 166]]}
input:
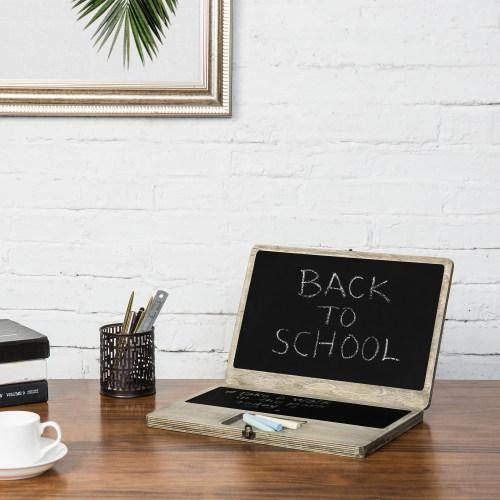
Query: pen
{"points": [[137, 320]]}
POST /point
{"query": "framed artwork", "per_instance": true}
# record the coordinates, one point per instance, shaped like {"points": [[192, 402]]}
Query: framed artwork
{"points": [[115, 57]]}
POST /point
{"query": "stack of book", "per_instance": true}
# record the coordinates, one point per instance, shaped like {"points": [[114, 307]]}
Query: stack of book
{"points": [[23, 364]]}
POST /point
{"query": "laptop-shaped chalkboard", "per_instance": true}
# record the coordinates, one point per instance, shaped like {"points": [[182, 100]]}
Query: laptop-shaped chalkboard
{"points": [[345, 343]]}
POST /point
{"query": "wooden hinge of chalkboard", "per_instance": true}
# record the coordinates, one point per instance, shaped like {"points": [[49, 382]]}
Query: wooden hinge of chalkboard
{"points": [[248, 432]]}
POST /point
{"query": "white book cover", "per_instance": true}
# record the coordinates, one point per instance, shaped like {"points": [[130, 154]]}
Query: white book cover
{"points": [[23, 371]]}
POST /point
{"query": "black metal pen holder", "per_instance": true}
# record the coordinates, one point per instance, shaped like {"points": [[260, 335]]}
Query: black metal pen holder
{"points": [[127, 362]]}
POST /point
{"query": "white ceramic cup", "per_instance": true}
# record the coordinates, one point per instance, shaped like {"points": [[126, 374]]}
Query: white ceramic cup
{"points": [[20, 443]]}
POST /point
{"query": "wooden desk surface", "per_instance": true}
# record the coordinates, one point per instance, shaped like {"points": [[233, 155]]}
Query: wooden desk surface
{"points": [[454, 454]]}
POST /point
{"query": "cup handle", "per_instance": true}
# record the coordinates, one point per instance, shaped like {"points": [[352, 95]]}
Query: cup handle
{"points": [[51, 446]]}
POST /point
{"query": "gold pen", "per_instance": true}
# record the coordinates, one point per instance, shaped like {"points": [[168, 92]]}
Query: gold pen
{"points": [[120, 344], [128, 315]]}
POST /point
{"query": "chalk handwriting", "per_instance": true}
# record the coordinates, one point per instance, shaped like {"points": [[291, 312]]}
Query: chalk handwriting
{"points": [[356, 343], [312, 281], [347, 317], [335, 342], [295, 343], [278, 336], [385, 356], [351, 293], [375, 352], [318, 343], [264, 400], [358, 287], [321, 344], [374, 289], [335, 280]]}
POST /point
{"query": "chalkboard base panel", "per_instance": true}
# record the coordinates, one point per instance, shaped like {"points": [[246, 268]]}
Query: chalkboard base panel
{"points": [[260, 439], [317, 436], [266, 438]]}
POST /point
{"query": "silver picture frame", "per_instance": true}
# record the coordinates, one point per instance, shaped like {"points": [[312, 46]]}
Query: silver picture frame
{"points": [[211, 98]]}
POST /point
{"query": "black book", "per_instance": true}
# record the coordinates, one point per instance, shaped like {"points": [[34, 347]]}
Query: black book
{"points": [[20, 343], [24, 393]]}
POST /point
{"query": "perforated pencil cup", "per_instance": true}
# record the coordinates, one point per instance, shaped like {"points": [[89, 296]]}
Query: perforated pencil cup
{"points": [[127, 362]]}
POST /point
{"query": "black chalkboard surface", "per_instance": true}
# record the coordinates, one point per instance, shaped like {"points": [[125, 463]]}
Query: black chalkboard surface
{"points": [[340, 318], [295, 406]]}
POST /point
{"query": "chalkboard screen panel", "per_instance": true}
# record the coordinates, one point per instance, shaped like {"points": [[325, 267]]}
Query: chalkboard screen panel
{"points": [[300, 407], [340, 318]]}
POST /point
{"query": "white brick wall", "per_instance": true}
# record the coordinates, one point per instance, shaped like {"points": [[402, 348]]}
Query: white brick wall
{"points": [[372, 125]]}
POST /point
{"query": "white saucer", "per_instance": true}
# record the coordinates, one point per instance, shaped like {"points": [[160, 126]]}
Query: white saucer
{"points": [[39, 467]]}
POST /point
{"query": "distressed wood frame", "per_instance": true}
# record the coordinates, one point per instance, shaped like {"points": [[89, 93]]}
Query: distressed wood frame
{"points": [[346, 391], [213, 98]]}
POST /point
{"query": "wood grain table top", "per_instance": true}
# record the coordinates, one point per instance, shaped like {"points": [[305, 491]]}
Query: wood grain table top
{"points": [[454, 454]]}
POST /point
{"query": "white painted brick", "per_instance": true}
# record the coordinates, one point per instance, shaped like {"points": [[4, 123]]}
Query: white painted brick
{"points": [[56, 193], [365, 32], [496, 128], [190, 365], [18, 292], [347, 84], [41, 225], [91, 295], [192, 262], [79, 259], [3, 260], [471, 266], [84, 161], [193, 333], [262, 194], [277, 162], [73, 363], [467, 125], [372, 124], [452, 366], [437, 232], [471, 337], [445, 164], [330, 231], [190, 194], [353, 197], [405, 164], [475, 266], [473, 302], [142, 132], [160, 227], [475, 198], [345, 161], [162, 161], [377, 128]]}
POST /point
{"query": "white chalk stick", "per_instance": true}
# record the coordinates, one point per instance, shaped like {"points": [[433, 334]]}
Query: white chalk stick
{"points": [[288, 424]]}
